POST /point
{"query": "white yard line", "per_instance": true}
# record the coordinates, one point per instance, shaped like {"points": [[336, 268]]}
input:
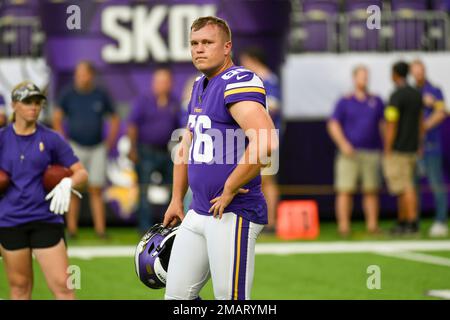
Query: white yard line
{"points": [[350, 247], [444, 294], [396, 249], [418, 257]]}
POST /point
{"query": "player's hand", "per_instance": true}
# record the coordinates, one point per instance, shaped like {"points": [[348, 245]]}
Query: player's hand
{"points": [[347, 149], [60, 196], [222, 201], [174, 214]]}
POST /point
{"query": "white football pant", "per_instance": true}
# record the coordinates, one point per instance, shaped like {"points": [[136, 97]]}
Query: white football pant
{"points": [[204, 246]]}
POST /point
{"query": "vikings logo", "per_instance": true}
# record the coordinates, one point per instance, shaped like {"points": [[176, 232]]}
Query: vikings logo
{"points": [[123, 192]]}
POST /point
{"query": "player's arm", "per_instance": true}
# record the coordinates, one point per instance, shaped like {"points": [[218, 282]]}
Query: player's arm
{"points": [[337, 135], [57, 119], [252, 118], [180, 177], [175, 211]]}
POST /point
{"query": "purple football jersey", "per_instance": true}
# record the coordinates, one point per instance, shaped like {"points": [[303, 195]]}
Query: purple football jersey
{"points": [[218, 142], [25, 159]]}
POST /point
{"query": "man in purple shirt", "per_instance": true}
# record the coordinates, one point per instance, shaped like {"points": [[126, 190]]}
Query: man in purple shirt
{"points": [[153, 118], [228, 122], [355, 128]]}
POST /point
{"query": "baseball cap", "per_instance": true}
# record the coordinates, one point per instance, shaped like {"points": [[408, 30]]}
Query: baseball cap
{"points": [[26, 90]]}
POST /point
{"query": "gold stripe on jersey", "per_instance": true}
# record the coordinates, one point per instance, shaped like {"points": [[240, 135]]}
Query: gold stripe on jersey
{"points": [[243, 90]]}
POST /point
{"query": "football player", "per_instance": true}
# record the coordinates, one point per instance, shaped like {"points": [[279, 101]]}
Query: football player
{"points": [[217, 236]]}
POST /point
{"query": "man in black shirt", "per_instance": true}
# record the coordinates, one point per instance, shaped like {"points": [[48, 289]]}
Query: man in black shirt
{"points": [[403, 139]]}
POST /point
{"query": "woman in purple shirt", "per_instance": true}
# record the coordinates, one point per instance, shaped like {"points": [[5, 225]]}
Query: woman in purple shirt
{"points": [[31, 220]]}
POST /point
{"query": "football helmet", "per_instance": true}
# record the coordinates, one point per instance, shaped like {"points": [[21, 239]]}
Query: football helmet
{"points": [[152, 255]]}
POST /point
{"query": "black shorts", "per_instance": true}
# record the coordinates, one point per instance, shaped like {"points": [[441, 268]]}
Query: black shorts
{"points": [[35, 235]]}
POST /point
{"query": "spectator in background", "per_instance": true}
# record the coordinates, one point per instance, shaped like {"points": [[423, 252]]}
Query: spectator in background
{"points": [[431, 161], [403, 136], [153, 118], [254, 59], [355, 127], [84, 105], [3, 118]]}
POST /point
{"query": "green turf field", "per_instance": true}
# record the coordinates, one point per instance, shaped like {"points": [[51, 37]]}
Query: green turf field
{"points": [[340, 275]]}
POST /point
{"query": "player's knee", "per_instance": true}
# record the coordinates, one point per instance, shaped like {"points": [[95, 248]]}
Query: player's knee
{"points": [[21, 288]]}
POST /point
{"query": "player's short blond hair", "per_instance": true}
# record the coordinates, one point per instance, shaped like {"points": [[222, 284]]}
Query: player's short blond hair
{"points": [[220, 23]]}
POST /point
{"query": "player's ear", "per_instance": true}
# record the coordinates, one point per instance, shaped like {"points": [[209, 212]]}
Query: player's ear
{"points": [[227, 48]]}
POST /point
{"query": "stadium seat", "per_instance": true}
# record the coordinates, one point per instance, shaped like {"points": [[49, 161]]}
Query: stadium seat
{"points": [[437, 30], [359, 37], [409, 31], [298, 219], [18, 28], [319, 29], [441, 5]]}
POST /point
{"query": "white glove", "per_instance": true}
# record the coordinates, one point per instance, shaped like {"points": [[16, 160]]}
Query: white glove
{"points": [[60, 196]]}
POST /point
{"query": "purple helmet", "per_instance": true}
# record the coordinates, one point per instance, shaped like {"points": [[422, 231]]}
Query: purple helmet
{"points": [[152, 255]]}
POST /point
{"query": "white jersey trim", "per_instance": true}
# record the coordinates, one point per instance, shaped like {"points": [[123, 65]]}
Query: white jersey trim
{"points": [[254, 82]]}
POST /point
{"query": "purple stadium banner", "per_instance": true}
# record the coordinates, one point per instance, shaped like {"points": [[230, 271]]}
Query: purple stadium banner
{"points": [[127, 39]]}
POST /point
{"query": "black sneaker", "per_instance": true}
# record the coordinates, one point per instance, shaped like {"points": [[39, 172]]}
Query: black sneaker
{"points": [[411, 228], [398, 229]]}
